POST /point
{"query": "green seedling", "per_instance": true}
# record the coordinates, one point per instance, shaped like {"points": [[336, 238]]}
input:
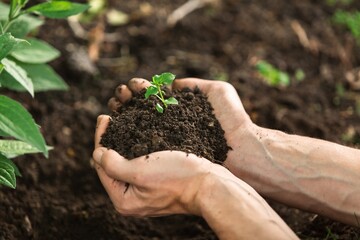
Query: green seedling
{"points": [[342, 2], [272, 75], [350, 20], [158, 81]]}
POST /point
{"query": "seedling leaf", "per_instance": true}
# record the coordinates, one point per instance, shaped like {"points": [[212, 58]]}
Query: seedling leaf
{"points": [[151, 90], [156, 79], [58, 9], [167, 78], [16, 121], [159, 108], [171, 100]]}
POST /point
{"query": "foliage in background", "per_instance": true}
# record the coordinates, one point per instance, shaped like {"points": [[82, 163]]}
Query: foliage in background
{"points": [[275, 77], [23, 67], [272, 75], [342, 2], [350, 20]]}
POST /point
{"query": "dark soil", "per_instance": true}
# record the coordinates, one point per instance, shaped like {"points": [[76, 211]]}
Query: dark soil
{"points": [[137, 129], [62, 197]]}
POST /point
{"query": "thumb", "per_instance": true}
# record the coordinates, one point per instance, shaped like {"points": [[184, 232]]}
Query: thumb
{"points": [[114, 165], [98, 153]]}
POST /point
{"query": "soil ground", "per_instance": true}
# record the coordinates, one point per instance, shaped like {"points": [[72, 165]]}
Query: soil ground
{"points": [[62, 198]]}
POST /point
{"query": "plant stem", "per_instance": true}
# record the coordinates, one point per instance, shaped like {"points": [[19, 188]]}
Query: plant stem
{"points": [[15, 14], [161, 95]]}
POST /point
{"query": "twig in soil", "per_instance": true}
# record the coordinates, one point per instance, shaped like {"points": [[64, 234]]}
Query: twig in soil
{"points": [[81, 33], [353, 78], [187, 8], [303, 38]]}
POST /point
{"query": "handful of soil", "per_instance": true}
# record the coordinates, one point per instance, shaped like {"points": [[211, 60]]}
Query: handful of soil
{"points": [[137, 129]]}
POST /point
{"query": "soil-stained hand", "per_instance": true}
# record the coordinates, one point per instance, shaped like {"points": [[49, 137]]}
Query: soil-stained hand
{"points": [[158, 184], [232, 116], [228, 109]]}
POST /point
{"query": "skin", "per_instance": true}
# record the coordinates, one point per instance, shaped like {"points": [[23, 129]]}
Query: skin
{"points": [[307, 173], [173, 182]]}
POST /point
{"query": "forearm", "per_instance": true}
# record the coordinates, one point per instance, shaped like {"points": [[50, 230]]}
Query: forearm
{"points": [[307, 173], [235, 211]]}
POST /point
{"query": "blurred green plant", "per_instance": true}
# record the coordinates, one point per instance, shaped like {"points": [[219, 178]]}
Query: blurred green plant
{"points": [[331, 235], [342, 2], [23, 67], [272, 75], [350, 20]]}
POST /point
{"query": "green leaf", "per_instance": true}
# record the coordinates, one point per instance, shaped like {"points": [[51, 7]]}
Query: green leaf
{"points": [[7, 172], [58, 9], [151, 90], [13, 4], [22, 2], [7, 177], [167, 78], [264, 67], [11, 163], [44, 78], [16, 121], [171, 100], [283, 79], [14, 148], [22, 25], [1, 69], [159, 108], [3, 134], [18, 74], [37, 52], [7, 44], [156, 79]]}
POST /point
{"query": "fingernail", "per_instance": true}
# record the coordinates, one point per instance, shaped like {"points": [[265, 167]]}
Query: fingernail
{"points": [[97, 154]]}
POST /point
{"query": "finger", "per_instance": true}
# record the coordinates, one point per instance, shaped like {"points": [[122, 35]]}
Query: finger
{"points": [[138, 84], [115, 165], [123, 93], [114, 104], [192, 83], [110, 184], [101, 125]]}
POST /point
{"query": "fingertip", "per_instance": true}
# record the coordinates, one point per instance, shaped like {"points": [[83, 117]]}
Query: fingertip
{"points": [[98, 153], [138, 84], [191, 83], [101, 125], [102, 119], [123, 93], [114, 104]]}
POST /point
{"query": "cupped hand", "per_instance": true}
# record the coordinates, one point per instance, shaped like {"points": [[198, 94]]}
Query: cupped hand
{"points": [[228, 109], [157, 184]]}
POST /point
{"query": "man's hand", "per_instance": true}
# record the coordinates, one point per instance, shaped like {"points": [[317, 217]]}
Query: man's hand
{"points": [[157, 184], [227, 106]]}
